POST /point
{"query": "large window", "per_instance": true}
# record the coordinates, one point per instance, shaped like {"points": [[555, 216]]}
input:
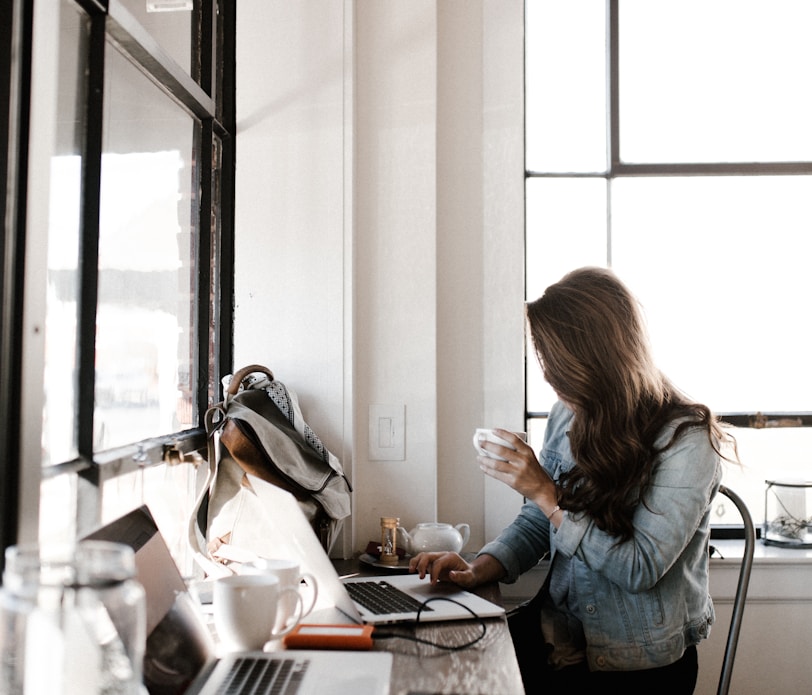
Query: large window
{"points": [[127, 220], [671, 142]]}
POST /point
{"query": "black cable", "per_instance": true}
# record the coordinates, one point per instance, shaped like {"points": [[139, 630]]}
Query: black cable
{"points": [[453, 648]]}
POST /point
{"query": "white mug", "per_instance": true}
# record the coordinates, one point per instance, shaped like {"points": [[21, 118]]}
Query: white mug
{"points": [[290, 577], [484, 434], [245, 610]]}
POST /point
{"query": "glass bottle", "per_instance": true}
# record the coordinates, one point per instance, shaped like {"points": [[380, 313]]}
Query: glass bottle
{"points": [[72, 621]]}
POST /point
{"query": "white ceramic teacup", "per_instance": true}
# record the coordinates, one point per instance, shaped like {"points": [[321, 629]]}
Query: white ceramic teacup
{"points": [[484, 434], [245, 610], [290, 577]]}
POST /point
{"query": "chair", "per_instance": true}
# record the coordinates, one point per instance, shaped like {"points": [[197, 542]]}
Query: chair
{"points": [[741, 591]]}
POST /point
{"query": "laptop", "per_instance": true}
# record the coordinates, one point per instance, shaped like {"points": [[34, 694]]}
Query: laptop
{"points": [[290, 535], [180, 656]]}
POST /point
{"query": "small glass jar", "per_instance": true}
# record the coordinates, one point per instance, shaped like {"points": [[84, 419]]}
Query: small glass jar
{"points": [[788, 513], [72, 620]]}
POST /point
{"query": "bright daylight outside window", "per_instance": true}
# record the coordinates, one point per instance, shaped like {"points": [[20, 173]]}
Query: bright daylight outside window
{"points": [[144, 340], [153, 324], [683, 160]]}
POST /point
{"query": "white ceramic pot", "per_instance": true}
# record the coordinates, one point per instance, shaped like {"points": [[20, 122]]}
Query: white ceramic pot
{"points": [[434, 536]]}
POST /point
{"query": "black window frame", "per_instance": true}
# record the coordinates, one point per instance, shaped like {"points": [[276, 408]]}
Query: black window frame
{"points": [[618, 169], [208, 93]]}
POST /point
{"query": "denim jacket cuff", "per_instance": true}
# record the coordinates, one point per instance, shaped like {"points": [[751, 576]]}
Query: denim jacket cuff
{"points": [[570, 533], [506, 557]]}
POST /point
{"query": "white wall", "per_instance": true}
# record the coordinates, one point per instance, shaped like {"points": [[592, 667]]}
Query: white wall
{"points": [[379, 223], [290, 300], [772, 654], [379, 212]]}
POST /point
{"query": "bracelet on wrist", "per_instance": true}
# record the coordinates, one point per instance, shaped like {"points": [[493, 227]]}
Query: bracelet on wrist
{"points": [[552, 513]]}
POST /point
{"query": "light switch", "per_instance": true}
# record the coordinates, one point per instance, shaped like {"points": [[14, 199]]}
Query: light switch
{"points": [[387, 432]]}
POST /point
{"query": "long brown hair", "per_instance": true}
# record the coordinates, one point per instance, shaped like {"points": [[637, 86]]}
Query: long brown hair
{"points": [[591, 342]]}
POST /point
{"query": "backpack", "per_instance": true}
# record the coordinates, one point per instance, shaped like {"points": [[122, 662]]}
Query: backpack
{"points": [[257, 436]]}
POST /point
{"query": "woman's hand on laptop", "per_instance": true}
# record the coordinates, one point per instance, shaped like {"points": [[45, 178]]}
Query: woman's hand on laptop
{"points": [[451, 567]]}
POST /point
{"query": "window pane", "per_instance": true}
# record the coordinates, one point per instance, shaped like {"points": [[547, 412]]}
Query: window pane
{"points": [[215, 292], [145, 340], [713, 81], [721, 266], [566, 229], [59, 439], [535, 433], [169, 22], [770, 453], [169, 490], [566, 90]]}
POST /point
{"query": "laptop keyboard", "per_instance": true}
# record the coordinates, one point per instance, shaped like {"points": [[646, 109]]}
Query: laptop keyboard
{"points": [[381, 598], [281, 676]]}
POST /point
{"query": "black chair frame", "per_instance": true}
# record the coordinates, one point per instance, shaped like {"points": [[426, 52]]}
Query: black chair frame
{"points": [[741, 591]]}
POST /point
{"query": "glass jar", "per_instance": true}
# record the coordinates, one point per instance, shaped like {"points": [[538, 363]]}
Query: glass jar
{"points": [[72, 621], [788, 513]]}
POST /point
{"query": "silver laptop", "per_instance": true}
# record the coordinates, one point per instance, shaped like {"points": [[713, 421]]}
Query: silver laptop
{"points": [[180, 651], [289, 535]]}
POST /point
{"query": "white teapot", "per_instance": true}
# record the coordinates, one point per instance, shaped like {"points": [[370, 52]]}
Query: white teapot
{"points": [[432, 535]]}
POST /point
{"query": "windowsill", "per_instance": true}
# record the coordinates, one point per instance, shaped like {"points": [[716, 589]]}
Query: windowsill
{"points": [[778, 575], [762, 553]]}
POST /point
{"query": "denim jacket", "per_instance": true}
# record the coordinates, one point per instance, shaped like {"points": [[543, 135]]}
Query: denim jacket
{"points": [[645, 600]]}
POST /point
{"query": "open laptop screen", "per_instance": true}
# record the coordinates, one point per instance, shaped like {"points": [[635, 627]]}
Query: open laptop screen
{"points": [[179, 643]]}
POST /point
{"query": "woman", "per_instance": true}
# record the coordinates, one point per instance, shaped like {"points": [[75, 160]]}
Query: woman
{"points": [[621, 501]]}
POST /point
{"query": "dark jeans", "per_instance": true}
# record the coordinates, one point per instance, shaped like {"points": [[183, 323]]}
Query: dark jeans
{"points": [[678, 678]]}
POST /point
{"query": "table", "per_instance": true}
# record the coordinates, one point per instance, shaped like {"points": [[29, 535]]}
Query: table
{"points": [[487, 668]]}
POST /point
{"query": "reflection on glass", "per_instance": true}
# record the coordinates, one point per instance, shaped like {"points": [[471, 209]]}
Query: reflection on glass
{"points": [[145, 337], [59, 438], [169, 22], [721, 81], [215, 284], [168, 491], [721, 266]]}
